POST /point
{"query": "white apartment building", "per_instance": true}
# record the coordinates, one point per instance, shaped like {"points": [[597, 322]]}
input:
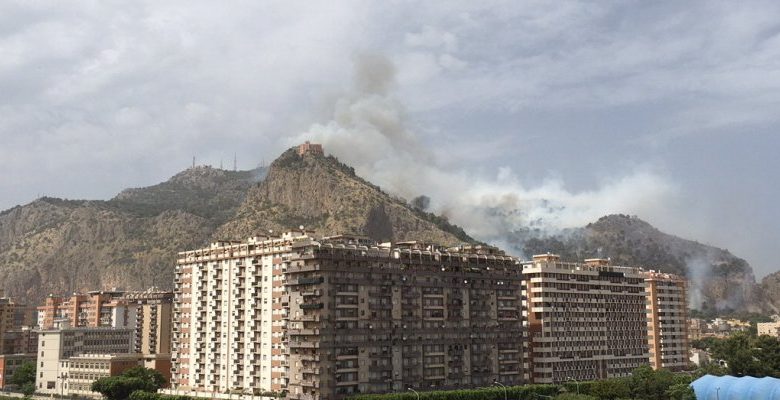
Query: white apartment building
{"points": [[229, 316], [587, 320], [57, 346], [667, 320]]}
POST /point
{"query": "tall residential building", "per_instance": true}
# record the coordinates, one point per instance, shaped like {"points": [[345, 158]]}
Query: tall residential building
{"points": [[57, 346], [13, 317], [323, 318], [586, 320], [667, 320]]}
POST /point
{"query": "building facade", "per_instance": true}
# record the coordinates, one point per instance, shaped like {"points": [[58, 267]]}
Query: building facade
{"points": [[667, 321], [20, 341], [57, 346], [323, 318], [79, 372], [13, 317], [769, 328], [586, 321], [8, 365]]}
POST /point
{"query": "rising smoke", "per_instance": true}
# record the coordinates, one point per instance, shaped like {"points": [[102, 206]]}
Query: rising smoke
{"points": [[368, 131]]}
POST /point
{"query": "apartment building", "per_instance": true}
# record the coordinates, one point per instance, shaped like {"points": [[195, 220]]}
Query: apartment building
{"points": [[586, 320], [667, 320], [325, 317], [20, 341], [13, 317], [153, 312], [149, 313], [57, 346], [92, 309]]}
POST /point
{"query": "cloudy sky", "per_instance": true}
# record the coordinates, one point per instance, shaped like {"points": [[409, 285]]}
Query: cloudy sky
{"points": [[563, 110]]}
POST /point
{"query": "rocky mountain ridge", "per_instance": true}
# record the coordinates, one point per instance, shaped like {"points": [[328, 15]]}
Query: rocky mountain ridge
{"points": [[59, 246]]}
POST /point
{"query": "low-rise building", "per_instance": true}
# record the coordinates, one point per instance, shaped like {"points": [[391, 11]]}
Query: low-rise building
{"points": [[57, 346], [79, 372], [769, 328], [9, 363]]}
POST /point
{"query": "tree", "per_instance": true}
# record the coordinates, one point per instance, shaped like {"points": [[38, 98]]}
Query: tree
{"points": [[681, 391], [28, 389], [134, 379], [647, 384], [748, 355], [24, 374], [148, 375], [610, 389]]}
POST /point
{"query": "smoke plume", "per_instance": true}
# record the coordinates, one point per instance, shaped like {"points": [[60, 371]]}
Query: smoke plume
{"points": [[369, 131]]}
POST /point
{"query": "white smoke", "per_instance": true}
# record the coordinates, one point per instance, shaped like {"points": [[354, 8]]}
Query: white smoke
{"points": [[369, 132]]}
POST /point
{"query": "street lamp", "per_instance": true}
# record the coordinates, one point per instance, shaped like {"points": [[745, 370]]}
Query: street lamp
{"points": [[415, 392], [63, 377], [496, 382], [568, 378]]}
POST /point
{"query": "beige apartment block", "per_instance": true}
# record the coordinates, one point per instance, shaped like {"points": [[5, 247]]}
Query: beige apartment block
{"points": [[322, 318], [57, 346], [769, 328], [667, 321], [586, 320]]}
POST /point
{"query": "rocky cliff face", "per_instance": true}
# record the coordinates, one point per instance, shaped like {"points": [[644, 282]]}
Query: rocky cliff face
{"points": [[323, 194], [60, 246], [771, 289]]}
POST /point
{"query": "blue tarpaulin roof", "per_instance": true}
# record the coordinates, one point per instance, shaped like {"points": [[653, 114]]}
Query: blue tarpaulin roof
{"points": [[710, 387]]}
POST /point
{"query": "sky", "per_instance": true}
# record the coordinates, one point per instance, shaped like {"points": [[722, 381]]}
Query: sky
{"points": [[516, 113]]}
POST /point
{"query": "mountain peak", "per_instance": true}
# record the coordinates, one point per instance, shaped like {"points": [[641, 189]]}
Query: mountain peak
{"points": [[306, 187]]}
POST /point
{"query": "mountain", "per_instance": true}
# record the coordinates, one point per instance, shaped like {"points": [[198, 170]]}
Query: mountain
{"points": [[59, 246], [770, 286], [323, 194], [719, 280]]}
